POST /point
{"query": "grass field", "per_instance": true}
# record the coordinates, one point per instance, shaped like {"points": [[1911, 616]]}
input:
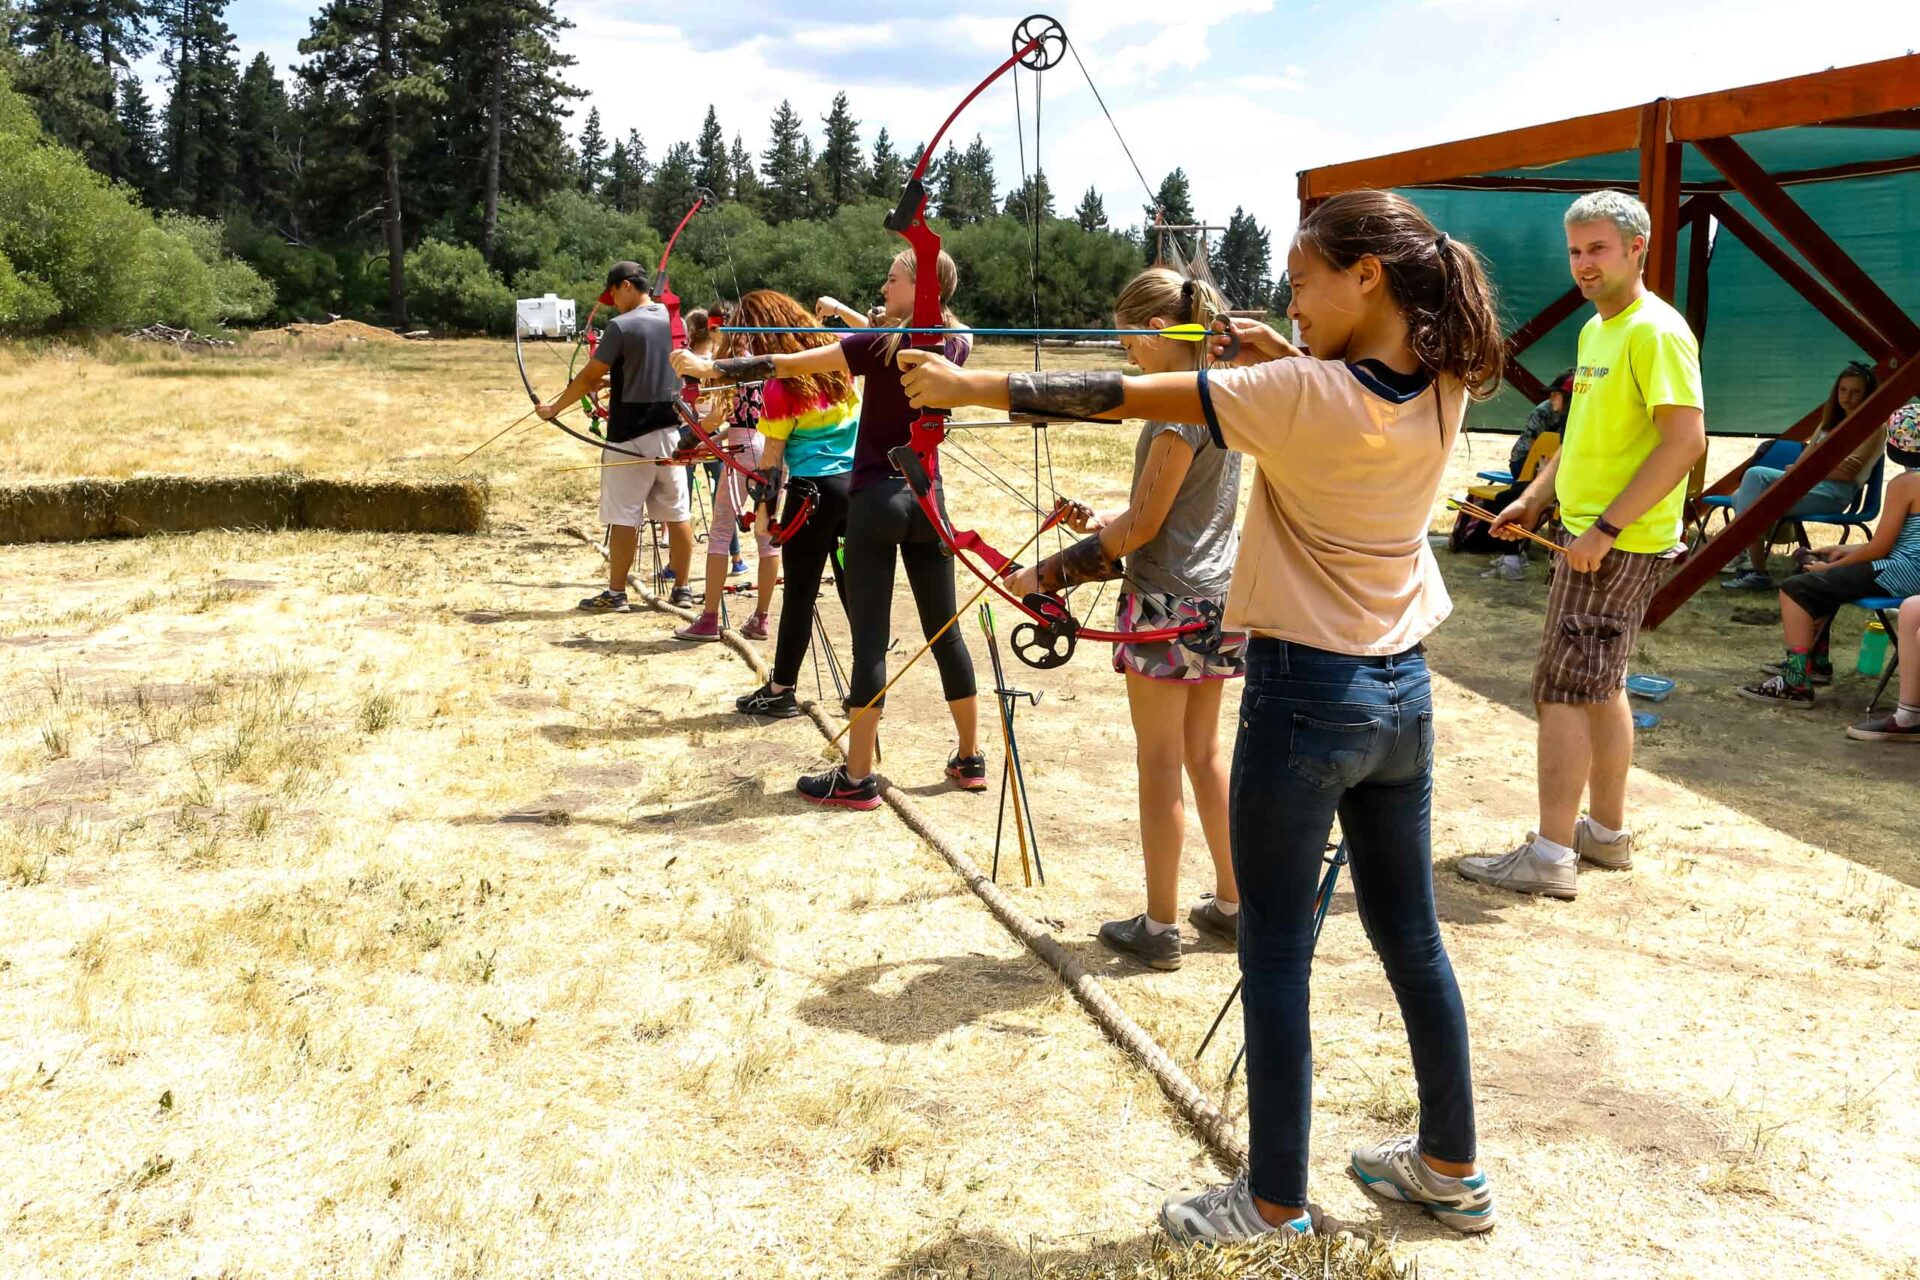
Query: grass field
{"points": [[365, 911]]}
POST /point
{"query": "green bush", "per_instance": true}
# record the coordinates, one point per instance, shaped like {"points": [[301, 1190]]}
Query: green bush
{"points": [[80, 252], [450, 287]]}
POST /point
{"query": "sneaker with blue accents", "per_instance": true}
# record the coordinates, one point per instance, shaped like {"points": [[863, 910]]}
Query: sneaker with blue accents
{"points": [[1222, 1215], [1394, 1170]]}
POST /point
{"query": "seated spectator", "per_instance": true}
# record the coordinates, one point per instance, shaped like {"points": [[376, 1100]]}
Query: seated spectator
{"points": [[1903, 725], [1549, 415], [1835, 493], [1886, 565]]}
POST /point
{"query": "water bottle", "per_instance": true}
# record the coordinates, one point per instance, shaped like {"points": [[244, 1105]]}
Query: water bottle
{"points": [[1873, 650]]}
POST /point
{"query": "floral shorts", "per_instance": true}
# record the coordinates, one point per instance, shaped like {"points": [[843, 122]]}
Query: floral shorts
{"points": [[1172, 659]]}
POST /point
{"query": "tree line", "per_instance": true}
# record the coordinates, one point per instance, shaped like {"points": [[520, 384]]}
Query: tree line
{"points": [[416, 167]]}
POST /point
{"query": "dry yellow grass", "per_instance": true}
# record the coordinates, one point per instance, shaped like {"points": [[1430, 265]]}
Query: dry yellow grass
{"points": [[365, 911]]}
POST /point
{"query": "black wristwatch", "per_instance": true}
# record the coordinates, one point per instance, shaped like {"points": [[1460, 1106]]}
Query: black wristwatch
{"points": [[1603, 525]]}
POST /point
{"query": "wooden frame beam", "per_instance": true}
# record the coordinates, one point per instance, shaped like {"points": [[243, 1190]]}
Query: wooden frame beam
{"points": [[1815, 465], [1550, 318], [1660, 192], [1801, 281], [1838, 96], [1592, 135], [1580, 186], [1699, 251], [1806, 237]]}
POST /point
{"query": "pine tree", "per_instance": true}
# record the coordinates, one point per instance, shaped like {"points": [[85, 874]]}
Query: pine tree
{"points": [[1174, 203], [112, 32], [593, 154], [784, 165], [714, 168], [842, 175], [73, 97], [201, 156], [139, 155], [264, 130], [745, 178], [887, 173], [1091, 213], [629, 176], [379, 55], [1243, 261], [673, 187], [507, 104], [1019, 200], [965, 185]]}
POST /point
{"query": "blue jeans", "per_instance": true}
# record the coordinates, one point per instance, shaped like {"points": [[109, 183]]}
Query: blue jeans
{"points": [[1323, 735], [1824, 498]]}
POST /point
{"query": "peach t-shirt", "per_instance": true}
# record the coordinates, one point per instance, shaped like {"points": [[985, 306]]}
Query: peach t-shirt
{"points": [[1334, 553]]}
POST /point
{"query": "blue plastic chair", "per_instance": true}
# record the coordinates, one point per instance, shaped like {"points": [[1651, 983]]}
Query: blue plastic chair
{"points": [[1884, 608], [1864, 510], [1778, 454]]}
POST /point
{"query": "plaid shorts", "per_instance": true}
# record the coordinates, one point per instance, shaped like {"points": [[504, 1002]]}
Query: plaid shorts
{"points": [[1593, 621]]}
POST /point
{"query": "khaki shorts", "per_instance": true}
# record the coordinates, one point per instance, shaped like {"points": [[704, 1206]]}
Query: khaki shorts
{"points": [[1593, 622], [631, 496]]}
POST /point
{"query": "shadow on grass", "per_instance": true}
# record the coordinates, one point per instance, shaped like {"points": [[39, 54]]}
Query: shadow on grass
{"points": [[976, 1255], [943, 993], [1795, 771], [645, 723]]}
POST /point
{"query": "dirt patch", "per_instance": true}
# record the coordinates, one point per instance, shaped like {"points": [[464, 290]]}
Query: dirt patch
{"points": [[342, 330]]}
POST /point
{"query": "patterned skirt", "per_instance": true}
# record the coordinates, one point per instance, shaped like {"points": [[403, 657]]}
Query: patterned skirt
{"points": [[1173, 659]]}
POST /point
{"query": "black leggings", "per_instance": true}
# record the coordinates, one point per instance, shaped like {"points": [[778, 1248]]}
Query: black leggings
{"points": [[802, 560], [879, 519]]}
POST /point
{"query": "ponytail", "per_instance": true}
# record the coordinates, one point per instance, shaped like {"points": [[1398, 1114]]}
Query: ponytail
{"points": [[1439, 283], [1161, 293]]}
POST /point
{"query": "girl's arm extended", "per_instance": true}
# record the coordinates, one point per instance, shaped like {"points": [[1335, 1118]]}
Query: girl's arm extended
{"points": [[1903, 500], [787, 364], [931, 381]]}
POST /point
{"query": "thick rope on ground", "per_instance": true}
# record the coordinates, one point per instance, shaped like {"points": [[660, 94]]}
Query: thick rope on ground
{"points": [[1187, 1097]]}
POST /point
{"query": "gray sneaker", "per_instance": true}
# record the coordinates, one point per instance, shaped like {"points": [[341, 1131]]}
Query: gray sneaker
{"points": [[1394, 1169], [1222, 1215], [1749, 580], [1617, 856], [1209, 918], [1131, 938], [1524, 871]]}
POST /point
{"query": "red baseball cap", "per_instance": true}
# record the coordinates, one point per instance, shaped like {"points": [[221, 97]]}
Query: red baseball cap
{"points": [[622, 272]]}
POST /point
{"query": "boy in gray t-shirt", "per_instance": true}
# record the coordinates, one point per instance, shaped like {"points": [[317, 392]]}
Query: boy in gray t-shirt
{"points": [[634, 353]]}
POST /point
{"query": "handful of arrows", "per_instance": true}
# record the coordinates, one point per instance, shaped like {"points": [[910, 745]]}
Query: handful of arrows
{"points": [[1479, 512]]}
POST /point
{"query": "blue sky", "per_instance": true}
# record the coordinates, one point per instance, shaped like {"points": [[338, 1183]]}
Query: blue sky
{"points": [[1241, 93]]}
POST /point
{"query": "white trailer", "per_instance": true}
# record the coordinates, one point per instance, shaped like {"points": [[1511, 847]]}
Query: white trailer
{"points": [[547, 317]]}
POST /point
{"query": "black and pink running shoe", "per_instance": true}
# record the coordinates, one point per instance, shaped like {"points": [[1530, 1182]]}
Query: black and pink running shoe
{"points": [[834, 787], [969, 773]]}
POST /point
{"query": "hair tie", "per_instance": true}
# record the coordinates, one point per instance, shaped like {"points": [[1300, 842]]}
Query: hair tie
{"points": [[1441, 241]]}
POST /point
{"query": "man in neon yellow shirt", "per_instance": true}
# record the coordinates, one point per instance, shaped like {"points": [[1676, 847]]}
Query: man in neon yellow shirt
{"points": [[1634, 430]]}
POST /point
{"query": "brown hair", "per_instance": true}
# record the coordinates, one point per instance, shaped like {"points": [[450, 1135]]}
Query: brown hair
{"points": [[699, 330], [949, 281], [1165, 294], [771, 309], [1439, 283], [1831, 415]]}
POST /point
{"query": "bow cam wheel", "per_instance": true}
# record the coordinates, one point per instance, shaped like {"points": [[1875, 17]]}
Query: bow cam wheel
{"points": [[1052, 39]]}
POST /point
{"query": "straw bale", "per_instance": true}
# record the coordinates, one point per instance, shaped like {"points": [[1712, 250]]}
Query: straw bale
{"points": [[389, 506], [80, 509]]}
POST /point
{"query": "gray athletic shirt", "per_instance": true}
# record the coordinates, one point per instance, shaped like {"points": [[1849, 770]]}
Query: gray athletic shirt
{"points": [[638, 343], [1193, 553]]}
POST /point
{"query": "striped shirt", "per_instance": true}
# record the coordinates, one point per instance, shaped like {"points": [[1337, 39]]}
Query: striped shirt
{"points": [[1899, 573]]}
